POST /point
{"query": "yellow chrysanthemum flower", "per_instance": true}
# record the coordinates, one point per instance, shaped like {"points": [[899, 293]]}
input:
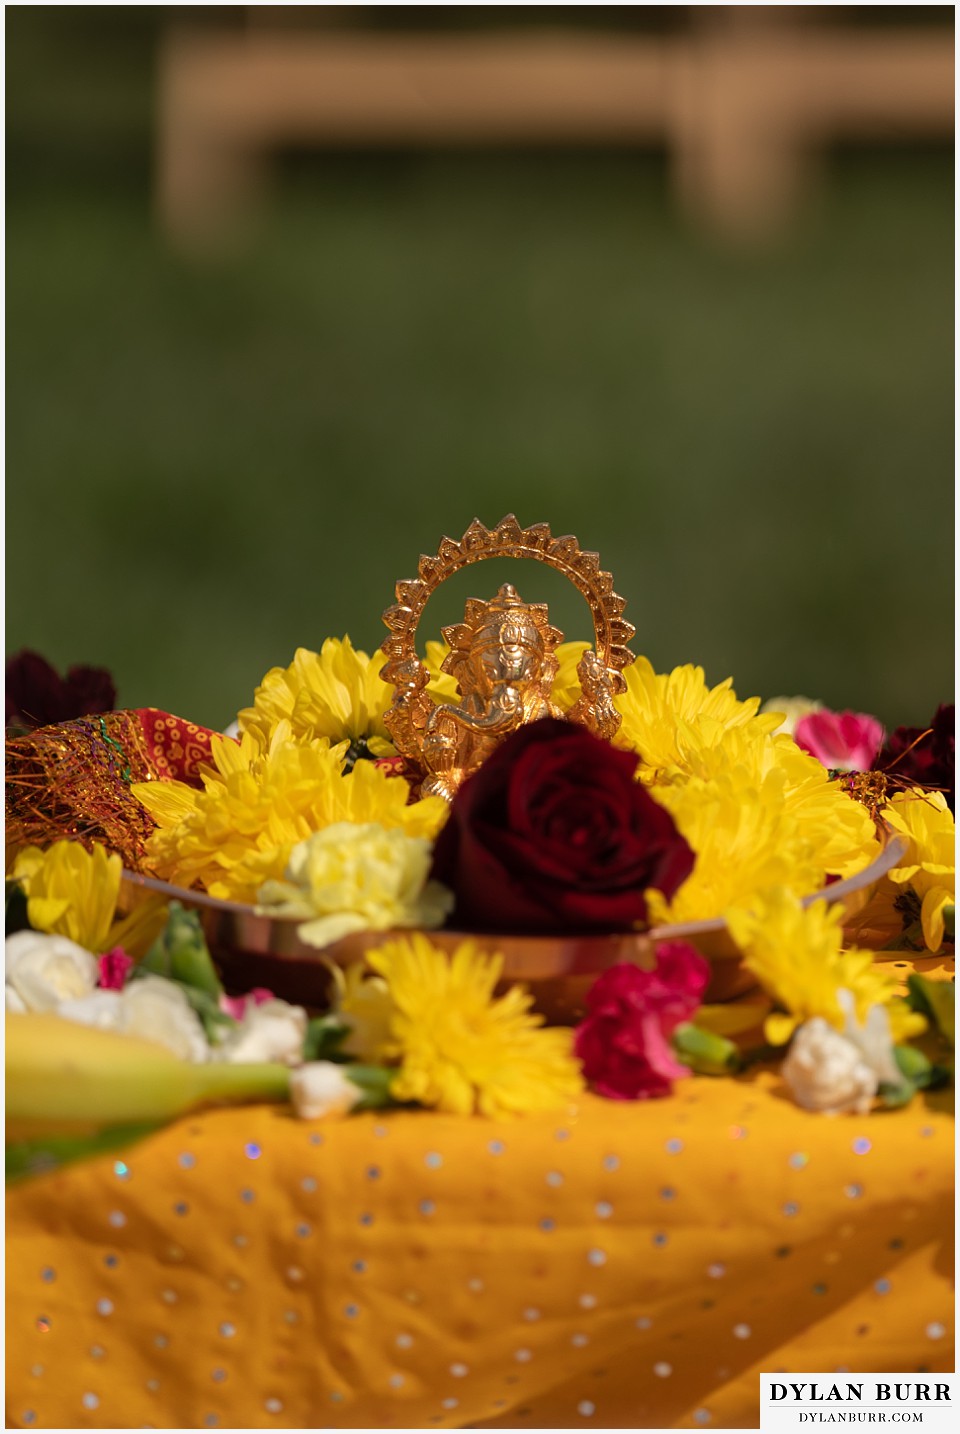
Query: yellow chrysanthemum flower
{"points": [[459, 1048], [745, 841], [846, 839], [335, 693], [364, 1004], [797, 955], [74, 892], [256, 806], [357, 877], [928, 866], [664, 714], [441, 687], [566, 684]]}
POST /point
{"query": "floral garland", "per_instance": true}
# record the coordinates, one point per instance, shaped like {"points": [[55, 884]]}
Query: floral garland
{"points": [[705, 806]]}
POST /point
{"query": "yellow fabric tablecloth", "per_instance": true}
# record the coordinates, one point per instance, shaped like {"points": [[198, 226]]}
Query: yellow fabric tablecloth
{"points": [[625, 1265]]}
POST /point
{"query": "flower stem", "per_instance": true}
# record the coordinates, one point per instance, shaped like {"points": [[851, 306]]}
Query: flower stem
{"points": [[221, 1081]]}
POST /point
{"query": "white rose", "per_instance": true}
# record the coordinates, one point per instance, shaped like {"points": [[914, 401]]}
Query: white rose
{"points": [[827, 1072], [320, 1088], [45, 970], [157, 1010], [102, 1009], [14, 1002], [272, 1031]]}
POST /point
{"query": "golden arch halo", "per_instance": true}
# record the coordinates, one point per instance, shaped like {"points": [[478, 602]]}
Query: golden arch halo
{"points": [[411, 708]]}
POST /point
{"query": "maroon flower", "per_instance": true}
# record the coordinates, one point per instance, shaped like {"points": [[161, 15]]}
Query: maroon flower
{"points": [[623, 1043], [115, 966], [38, 697], [552, 834], [931, 760]]}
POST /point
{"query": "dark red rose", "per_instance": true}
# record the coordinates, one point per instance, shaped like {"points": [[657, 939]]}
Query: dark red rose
{"points": [[552, 834], [623, 1043], [930, 761], [38, 697]]}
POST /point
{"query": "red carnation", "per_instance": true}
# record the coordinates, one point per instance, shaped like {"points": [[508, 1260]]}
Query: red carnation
{"points": [[623, 1043]]}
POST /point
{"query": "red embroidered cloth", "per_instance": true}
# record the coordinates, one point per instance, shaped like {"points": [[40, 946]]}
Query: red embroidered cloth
{"points": [[73, 779]]}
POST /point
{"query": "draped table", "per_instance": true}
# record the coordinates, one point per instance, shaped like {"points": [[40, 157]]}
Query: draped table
{"points": [[615, 1265]]}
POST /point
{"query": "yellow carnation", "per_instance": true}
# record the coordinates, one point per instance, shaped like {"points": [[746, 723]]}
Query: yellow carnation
{"points": [[357, 877]]}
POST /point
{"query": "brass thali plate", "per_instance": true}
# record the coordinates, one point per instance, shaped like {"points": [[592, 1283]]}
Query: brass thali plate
{"points": [[254, 950]]}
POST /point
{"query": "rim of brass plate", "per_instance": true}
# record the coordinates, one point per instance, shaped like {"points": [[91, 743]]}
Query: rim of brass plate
{"points": [[508, 539]]}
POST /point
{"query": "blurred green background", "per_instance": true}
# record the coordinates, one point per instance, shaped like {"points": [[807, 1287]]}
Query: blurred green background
{"points": [[212, 462]]}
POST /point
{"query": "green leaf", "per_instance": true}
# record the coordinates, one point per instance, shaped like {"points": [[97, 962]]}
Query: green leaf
{"points": [[180, 953], [895, 1096], [213, 1020], [374, 1081], [325, 1035], [919, 1073], [936, 1000], [913, 1065]]}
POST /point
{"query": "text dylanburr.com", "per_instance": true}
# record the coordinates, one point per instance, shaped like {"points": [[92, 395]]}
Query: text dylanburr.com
{"points": [[817, 1401]]}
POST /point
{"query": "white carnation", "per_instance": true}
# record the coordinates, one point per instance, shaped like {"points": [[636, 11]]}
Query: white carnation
{"points": [[321, 1088], [827, 1072], [103, 1009], [873, 1039], [157, 1010], [272, 1031], [836, 1071]]}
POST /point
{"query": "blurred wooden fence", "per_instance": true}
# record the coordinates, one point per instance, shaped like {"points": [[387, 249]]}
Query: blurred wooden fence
{"points": [[741, 106]]}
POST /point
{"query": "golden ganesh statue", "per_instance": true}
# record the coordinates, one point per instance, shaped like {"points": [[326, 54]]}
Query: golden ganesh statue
{"points": [[502, 659], [502, 656]]}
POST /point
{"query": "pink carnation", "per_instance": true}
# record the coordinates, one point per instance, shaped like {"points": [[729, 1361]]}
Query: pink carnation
{"points": [[114, 966], [842, 741], [624, 1043]]}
